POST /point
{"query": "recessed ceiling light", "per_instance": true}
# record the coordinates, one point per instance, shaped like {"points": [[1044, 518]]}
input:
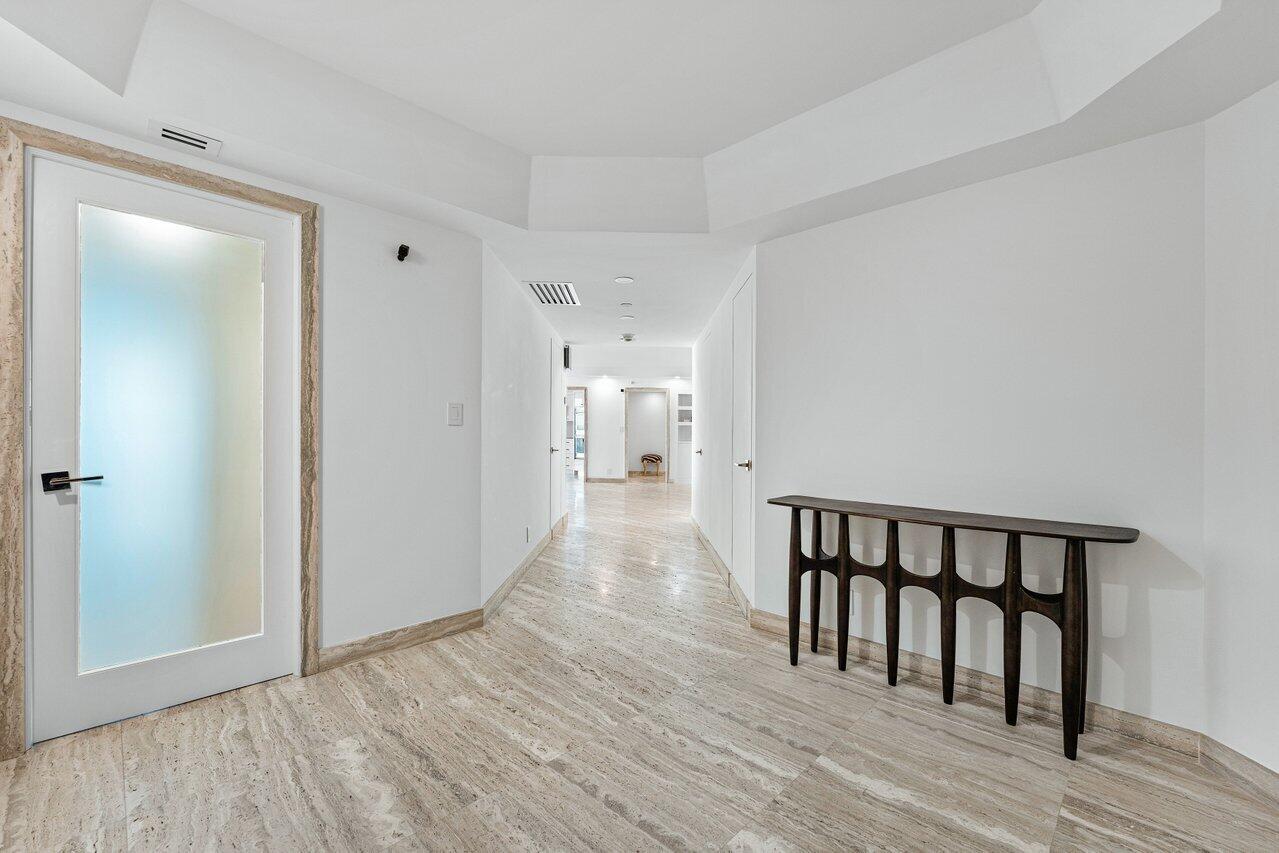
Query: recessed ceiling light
{"points": [[625, 305], [627, 317], [623, 279]]}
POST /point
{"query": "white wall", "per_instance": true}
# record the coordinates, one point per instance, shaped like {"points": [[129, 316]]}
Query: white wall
{"points": [[713, 426], [400, 501], [630, 360], [647, 415], [1031, 345], [1242, 456], [515, 471], [605, 420]]}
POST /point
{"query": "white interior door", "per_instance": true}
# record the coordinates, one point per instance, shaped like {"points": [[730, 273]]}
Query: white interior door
{"points": [[162, 360], [743, 562]]}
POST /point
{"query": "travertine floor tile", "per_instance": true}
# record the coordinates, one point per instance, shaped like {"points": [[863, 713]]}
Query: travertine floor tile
{"points": [[901, 777], [65, 794], [545, 811], [1128, 795]]}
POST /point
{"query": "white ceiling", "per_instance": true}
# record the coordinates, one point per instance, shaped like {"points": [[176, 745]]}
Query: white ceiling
{"points": [[617, 77], [679, 279]]}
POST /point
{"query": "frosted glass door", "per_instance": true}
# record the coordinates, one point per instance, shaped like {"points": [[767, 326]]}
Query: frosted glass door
{"points": [[171, 406], [163, 368]]}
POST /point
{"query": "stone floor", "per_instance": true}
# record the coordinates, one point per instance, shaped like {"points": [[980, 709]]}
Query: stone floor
{"points": [[617, 702]]}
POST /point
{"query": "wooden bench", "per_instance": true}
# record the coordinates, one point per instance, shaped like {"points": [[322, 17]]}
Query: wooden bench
{"points": [[1068, 608]]}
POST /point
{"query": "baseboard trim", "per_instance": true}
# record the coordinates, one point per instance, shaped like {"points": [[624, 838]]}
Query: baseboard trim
{"points": [[435, 629], [499, 595], [606, 479], [1100, 717], [398, 638], [1257, 779], [734, 589]]}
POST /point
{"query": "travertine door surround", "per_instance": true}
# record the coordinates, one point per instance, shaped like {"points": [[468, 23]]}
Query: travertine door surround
{"points": [[15, 138]]}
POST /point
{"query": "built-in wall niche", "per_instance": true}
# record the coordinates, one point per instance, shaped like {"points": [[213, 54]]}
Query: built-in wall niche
{"points": [[684, 418]]}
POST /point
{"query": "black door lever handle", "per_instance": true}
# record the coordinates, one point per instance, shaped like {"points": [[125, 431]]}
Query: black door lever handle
{"points": [[58, 481]]}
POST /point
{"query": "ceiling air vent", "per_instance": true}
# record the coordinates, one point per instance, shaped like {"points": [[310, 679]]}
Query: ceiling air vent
{"points": [[554, 292], [189, 140]]}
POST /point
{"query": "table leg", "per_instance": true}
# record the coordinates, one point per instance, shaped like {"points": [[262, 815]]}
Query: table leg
{"points": [[1012, 627], [794, 586], [815, 587], [948, 577], [892, 602], [1071, 646], [1083, 659], [845, 593]]}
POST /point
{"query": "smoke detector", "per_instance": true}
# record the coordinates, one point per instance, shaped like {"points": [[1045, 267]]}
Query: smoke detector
{"points": [[628, 337]]}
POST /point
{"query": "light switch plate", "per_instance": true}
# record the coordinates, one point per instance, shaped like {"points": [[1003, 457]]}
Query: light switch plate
{"points": [[455, 414]]}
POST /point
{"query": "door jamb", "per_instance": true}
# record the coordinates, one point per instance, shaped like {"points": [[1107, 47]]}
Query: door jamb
{"points": [[586, 420], [15, 138]]}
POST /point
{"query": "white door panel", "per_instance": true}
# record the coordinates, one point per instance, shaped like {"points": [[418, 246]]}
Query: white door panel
{"points": [[163, 359], [743, 408]]}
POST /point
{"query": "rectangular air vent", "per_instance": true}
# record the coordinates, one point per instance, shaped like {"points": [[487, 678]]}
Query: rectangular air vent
{"points": [[179, 137], [554, 292]]}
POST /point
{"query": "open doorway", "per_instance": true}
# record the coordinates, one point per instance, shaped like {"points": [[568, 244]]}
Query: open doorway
{"points": [[575, 444], [648, 414]]}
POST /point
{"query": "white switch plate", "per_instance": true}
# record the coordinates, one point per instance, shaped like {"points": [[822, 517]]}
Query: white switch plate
{"points": [[455, 414]]}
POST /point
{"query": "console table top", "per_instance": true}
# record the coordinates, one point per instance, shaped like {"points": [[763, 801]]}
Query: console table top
{"points": [[963, 520]]}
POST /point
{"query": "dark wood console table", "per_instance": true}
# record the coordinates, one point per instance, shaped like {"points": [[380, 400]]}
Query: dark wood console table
{"points": [[1068, 608]]}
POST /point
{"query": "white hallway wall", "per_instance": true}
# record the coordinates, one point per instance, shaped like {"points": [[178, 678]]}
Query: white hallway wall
{"points": [[1030, 345], [398, 342], [631, 360], [515, 472], [1242, 459], [399, 499], [647, 427]]}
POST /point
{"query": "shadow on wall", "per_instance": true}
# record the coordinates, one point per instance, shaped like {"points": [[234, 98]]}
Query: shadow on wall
{"points": [[1120, 608]]}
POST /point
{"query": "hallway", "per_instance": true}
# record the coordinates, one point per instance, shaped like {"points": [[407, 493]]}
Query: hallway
{"points": [[618, 701]]}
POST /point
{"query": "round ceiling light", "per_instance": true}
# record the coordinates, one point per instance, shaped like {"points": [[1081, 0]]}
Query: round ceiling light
{"points": [[623, 279], [625, 305], [627, 317]]}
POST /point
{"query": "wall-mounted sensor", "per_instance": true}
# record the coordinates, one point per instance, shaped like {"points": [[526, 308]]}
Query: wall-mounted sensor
{"points": [[402, 253]]}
